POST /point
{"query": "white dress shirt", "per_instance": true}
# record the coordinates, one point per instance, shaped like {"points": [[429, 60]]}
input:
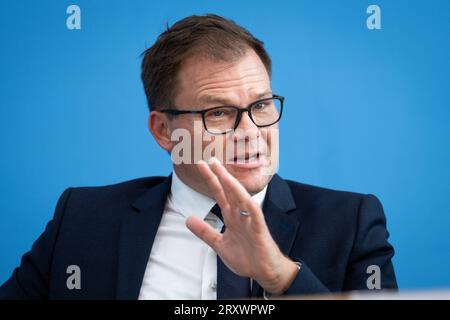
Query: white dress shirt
{"points": [[181, 266]]}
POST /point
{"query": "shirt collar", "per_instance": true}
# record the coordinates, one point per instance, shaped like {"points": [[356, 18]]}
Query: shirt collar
{"points": [[189, 202]]}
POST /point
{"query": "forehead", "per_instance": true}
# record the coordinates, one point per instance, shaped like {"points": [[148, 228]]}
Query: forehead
{"points": [[202, 81]]}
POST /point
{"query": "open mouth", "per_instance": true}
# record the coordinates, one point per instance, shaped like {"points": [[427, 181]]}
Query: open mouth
{"points": [[246, 158]]}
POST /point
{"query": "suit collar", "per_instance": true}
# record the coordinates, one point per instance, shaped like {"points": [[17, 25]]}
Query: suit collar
{"points": [[148, 199], [282, 225], [137, 233], [279, 193], [187, 201]]}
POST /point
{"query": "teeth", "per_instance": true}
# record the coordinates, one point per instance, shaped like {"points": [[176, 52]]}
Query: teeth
{"points": [[249, 159]]}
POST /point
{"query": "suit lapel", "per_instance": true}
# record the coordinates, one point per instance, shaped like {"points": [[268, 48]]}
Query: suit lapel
{"points": [[282, 226], [139, 227], [137, 234]]}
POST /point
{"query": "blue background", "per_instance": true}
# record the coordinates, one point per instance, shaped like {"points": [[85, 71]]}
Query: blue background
{"points": [[366, 110]]}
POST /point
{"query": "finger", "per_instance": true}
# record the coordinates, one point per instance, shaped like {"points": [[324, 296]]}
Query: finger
{"points": [[233, 189], [236, 193], [214, 184], [258, 219], [205, 232], [218, 193], [221, 173], [230, 210]]}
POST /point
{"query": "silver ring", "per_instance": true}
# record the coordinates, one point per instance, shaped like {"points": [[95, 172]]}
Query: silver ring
{"points": [[244, 213]]}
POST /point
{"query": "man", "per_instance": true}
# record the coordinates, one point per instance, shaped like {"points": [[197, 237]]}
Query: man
{"points": [[223, 224]]}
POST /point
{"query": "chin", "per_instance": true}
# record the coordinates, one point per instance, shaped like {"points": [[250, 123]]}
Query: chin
{"points": [[253, 180]]}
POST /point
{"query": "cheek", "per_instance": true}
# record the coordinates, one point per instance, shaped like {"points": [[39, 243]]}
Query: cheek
{"points": [[194, 130], [214, 145], [270, 138]]}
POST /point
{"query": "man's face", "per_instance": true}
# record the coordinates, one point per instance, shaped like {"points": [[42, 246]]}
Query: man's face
{"points": [[202, 84]]}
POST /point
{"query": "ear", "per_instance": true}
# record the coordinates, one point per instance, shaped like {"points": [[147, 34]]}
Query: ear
{"points": [[159, 127]]}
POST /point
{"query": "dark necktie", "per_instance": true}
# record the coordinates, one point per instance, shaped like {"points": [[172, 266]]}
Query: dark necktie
{"points": [[229, 284]]}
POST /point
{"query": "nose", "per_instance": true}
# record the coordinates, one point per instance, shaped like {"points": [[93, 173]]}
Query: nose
{"points": [[246, 129]]}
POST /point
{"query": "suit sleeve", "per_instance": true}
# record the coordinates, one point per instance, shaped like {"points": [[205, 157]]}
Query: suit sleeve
{"points": [[31, 279], [370, 248]]}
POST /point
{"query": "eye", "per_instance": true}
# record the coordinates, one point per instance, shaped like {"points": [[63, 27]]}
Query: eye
{"points": [[218, 113], [259, 106]]}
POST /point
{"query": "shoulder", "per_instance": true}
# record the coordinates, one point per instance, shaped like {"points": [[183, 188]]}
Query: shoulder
{"points": [[126, 190], [97, 204], [324, 210], [314, 192], [331, 201]]}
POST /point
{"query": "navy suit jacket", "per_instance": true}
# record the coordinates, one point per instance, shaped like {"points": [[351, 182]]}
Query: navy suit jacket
{"points": [[109, 231]]}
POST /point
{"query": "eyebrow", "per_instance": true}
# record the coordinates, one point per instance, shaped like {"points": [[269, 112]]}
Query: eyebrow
{"points": [[225, 101]]}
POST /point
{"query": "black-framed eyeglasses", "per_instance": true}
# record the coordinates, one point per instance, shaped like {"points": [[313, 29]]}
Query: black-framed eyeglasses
{"points": [[221, 120]]}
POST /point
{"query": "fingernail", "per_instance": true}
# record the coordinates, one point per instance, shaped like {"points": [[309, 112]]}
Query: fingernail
{"points": [[212, 160]]}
